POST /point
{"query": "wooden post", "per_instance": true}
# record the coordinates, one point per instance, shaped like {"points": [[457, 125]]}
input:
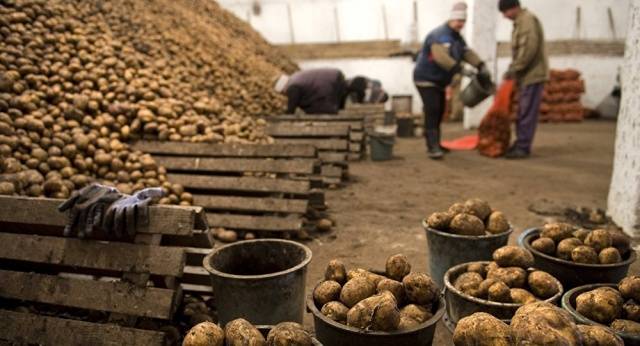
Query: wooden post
{"points": [[291, 31], [384, 21], [337, 21]]}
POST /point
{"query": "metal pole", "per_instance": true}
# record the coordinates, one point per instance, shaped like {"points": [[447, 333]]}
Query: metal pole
{"points": [[384, 21], [337, 20], [291, 31], [415, 21]]}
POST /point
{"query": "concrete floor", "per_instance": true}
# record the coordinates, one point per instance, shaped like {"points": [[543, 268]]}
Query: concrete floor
{"points": [[379, 214]]}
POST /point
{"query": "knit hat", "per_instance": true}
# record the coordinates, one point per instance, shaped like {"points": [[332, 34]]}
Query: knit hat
{"points": [[459, 11], [281, 83], [504, 5]]}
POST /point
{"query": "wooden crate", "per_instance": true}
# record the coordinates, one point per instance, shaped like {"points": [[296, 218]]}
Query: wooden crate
{"points": [[39, 267], [373, 114]]}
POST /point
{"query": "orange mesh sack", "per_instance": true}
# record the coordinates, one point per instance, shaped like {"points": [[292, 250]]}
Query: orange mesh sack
{"points": [[495, 128]]}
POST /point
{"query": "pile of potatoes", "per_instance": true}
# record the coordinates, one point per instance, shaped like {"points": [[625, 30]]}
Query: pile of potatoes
{"points": [[600, 246], [81, 79], [474, 217], [240, 332], [508, 279], [398, 300], [539, 323], [618, 308]]}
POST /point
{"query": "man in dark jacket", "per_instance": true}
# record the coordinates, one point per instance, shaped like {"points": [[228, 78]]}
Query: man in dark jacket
{"points": [[440, 59]]}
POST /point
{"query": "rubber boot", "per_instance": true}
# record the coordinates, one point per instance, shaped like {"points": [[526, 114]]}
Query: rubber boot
{"points": [[433, 144]]}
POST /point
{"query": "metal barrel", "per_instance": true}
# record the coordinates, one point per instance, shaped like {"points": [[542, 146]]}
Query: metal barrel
{"points": [[262, 281], [329, 332], [569, 304], [573, 274], [460, 305], [447, 250]]}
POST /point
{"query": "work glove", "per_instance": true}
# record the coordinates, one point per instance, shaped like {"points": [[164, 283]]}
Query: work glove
{"points": [[86, 207], [130, 213], [484, 76]]}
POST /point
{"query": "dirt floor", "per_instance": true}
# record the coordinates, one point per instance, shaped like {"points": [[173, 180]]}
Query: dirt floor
{"points": [[379, 214]]}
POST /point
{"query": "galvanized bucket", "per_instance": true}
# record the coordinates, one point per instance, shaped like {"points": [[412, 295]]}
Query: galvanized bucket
{"points": [[262, 281], [332, 333], [381, 147], [447, 250], [460, 305], [477, 91], [569, 304], [573, 274]]}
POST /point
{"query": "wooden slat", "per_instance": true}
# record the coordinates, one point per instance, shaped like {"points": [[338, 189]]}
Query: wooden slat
{"points": [[356, 136], [329, 157], [321, 144], [196, 275], [332, 171], [355, 147], [254, 223], [200, 289], [357, 126], [276, 205], [240, 183], [119, 297], [224, 150], [321, 117], [23, 328], [355, 156], [44, 211], [278, 130], [93, 254], [298, 166]]}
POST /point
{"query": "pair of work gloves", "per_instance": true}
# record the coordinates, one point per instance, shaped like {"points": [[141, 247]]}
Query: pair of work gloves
{"points": [[98, 206]]}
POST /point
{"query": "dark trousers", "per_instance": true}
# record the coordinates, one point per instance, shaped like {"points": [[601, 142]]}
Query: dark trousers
{"points": [[527, 122], [433, 101]]}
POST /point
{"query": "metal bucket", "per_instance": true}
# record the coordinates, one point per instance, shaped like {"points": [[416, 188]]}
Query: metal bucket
{"points": [[477, 91], [569, 304], [332, 333], [460, 305], [381, 147], [573, 274], [264, 330], [447, 250], [262, 281]]}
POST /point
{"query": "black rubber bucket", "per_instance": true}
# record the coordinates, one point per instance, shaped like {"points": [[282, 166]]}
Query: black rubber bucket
{"points": [[264, 330], [460, 305], [262, 281], [406, 127], [447, 250], [569, 304], [573, 274]]}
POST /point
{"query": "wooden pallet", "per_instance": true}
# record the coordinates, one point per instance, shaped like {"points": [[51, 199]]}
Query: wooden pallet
{"points": [[39, 267], [373, 114]]}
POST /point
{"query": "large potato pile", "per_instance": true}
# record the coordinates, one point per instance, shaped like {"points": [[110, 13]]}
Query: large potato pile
{"points": [[474, 217], [599, 246], [398, 300], [242, 333], [508, 279], [80, 79]]}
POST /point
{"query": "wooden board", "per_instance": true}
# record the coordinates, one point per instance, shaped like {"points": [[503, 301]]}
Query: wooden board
{"points": [[356, 137], [255, 223], [321, 117], [72, 252], [276, 205], [321, 144], [332, 171], [24, 328], [250, 184], [334, 158], [44, 211], [278, 130], [118, 297], [356, 126], [299, 166], [224, 150]]}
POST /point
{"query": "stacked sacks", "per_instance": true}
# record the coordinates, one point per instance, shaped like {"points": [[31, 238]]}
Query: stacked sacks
{"points": [[561, 98]]}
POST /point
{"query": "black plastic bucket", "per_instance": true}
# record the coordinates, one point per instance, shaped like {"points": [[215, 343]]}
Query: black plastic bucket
{"points": [[406, 127], [573, 274]]}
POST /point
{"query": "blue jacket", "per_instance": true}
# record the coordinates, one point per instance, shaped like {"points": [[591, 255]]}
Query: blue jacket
{"points": [[426, 69]]}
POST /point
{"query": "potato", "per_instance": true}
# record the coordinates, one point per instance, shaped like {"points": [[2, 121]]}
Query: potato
{"points": [[609, 255], [379, 313], [440, 220], [584, 254], [477, 267], [630, 287], [557, 231], [240, 332], [544, 245], [478, 207], [420, 289], [597, 336], [499, 292], [289, 334], [542, 284], [491, 266], [631, 311], [393, 286], [416, 312], [466, 224], [620, 241], [336, 271], [458, 208], [468, 283], [407, 323], [359, 272], [522, 296], [599, 239], [335, 311], [513, 256], [355, 290], [483, 288], [482, 329], [204, 334], [542, 323], [514, 277], [324, 225], [566, 246], [397, 267], [581, 234], [626, 326], [326, 291], [7, 188], [497, 223], [602, 305]]}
